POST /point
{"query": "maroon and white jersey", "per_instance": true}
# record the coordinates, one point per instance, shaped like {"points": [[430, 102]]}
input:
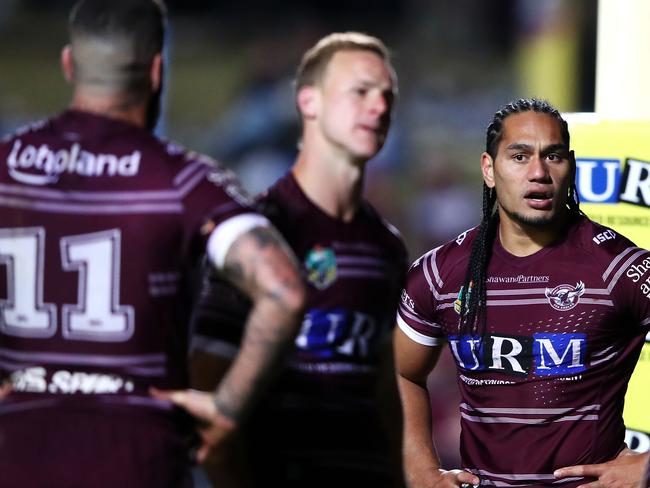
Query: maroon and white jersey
{"points": [[322, 415], [354, 272], [543, 387], [99, 225]]}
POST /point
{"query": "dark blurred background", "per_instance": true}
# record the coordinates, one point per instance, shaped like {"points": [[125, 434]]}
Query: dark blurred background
{"points": [[228, 94]]}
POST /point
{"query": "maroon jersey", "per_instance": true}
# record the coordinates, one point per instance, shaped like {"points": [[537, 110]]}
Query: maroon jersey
{"points": [[543, 387], [99, 226], [324, 405]]}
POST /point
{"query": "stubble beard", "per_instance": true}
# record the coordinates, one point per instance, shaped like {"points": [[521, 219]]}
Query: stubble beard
{"points": [[533, 221]]}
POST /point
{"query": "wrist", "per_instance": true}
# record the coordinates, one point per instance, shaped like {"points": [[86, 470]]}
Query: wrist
{"points": [[223, 417]]}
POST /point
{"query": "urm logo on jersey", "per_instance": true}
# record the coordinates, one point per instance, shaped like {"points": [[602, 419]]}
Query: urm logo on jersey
{"points": [[543, 354], [331, 332], [601, 181]]}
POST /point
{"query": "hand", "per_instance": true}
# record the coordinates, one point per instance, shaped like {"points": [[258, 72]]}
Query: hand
{"points": [[442, 478], [216, 428], [625, 470]]}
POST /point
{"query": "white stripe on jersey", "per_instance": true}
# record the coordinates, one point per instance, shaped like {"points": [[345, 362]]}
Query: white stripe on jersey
{"points": [[624, 266], [518, 477], [503, 484], [616, 260], [532, 416], [530, 411], [416, 336], [91, 209], [408, 314], [189, 171], [520, 420], [361, 273], [81, 359]]}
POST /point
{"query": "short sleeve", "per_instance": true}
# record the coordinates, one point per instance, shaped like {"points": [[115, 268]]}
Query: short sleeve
{"points": [[416, 315], [628, 279], [210, 192]]}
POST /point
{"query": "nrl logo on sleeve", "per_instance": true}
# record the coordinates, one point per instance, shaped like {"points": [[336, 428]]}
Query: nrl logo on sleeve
{"points": [[565, 297], [321, 267]]}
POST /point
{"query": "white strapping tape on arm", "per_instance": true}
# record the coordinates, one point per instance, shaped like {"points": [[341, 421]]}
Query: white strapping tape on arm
{"points": [[228, 231]]}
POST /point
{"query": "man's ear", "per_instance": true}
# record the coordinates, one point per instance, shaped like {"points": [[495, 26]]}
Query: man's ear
{"points": [[487, 168], [308, 100], [67, 65], [156, 72]]}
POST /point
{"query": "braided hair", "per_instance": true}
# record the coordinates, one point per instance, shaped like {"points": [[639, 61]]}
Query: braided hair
{"points": [[473, 292]]}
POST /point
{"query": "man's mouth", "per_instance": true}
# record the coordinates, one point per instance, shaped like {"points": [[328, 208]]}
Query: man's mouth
{"points": [[540, 200]]}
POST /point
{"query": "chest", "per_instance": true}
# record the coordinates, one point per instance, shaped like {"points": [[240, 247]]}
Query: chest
{"points": [[545, 323]]}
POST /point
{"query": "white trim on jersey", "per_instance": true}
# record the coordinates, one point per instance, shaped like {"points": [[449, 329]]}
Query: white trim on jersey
{"points": [[228, 231], [416, 336]]}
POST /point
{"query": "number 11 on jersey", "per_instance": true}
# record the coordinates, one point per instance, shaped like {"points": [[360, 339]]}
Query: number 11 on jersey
{"points": [[97, 315]]}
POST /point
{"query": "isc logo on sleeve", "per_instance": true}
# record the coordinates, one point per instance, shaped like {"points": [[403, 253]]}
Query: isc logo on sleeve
{"points": [[544, 354]]}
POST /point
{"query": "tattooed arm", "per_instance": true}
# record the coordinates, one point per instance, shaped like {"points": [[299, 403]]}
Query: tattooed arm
{"points": [[262, 265]]}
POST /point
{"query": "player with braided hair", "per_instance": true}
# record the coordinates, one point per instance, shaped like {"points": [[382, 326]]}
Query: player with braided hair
{"points": [[545, 313], [473, 303]]}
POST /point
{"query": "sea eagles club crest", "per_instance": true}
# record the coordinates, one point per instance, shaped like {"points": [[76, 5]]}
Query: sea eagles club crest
{"points": [[565, 297], [320, 263]]}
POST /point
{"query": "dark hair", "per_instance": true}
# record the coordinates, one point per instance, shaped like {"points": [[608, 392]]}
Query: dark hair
{"points": [[473, 296], [114, 41]]}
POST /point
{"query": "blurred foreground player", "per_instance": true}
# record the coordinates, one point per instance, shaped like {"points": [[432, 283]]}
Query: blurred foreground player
{"points": [[100, 224], [321, 425], [545, 313]]}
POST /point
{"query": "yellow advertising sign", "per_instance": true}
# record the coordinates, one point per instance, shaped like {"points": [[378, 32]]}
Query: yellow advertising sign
{"points": [[613, 181]]}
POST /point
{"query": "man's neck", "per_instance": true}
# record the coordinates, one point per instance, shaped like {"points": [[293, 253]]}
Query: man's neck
{"points": [[335, 186], [524, 240], [114, 107]]}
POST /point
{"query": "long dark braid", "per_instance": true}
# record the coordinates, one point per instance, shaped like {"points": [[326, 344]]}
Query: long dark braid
{"points": [[473, 295]]}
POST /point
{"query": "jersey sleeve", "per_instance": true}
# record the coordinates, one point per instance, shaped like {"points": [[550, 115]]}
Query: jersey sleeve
{"points": [[416, 315], [628, 279], [213, 193]]}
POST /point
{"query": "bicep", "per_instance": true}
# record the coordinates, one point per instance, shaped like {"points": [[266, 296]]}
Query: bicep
{"points": [[413, 361], [260, 263]]}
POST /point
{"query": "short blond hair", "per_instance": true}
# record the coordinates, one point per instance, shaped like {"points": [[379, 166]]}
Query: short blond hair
{"points": [[314, 62]]}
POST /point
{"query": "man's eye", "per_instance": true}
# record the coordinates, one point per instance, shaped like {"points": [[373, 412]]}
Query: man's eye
{"points": [[519, 157]]}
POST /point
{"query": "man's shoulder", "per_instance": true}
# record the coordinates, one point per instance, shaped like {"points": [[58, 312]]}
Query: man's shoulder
{"points": [[450, 257], [599, 241], [25, 130], [380, 224]]}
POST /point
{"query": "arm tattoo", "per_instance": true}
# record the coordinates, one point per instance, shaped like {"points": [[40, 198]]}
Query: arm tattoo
{"points": [[261, 264], [264, 236]]}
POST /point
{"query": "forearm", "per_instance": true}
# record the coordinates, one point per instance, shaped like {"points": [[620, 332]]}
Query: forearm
{"points": [[261, 265], [419, 452], [270, 329]]}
